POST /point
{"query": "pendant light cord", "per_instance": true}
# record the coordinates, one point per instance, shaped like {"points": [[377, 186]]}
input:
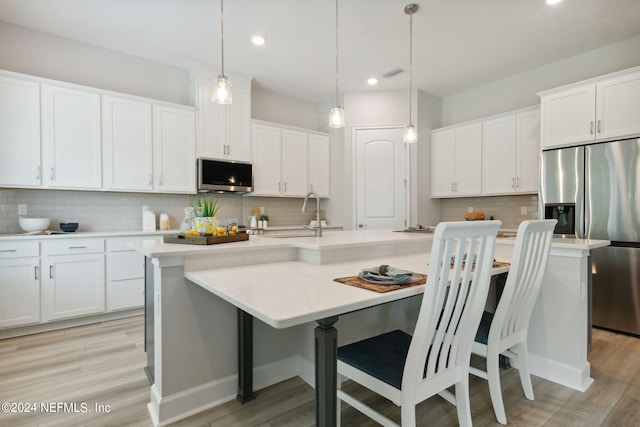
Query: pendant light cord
{"points": [[222, 33], [337, 53], [410, 61]]}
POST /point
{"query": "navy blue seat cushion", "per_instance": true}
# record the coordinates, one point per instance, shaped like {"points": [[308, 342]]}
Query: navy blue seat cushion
{"points": [[382, 356], [482, 336]]}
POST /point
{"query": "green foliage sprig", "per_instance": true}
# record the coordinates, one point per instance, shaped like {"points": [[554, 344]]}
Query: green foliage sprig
{"points": [[208, 203]]}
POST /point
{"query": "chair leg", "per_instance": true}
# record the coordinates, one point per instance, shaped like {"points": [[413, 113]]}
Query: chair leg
{"points": [[408, 415], [493, 377], [463, 404], [339, 402], [523, 370]]}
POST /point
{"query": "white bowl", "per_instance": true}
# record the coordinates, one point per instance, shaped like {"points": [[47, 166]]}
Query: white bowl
{"points": [[34, 224]]}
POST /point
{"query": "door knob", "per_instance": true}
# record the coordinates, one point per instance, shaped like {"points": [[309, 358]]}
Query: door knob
{"points": [[362, 225]]}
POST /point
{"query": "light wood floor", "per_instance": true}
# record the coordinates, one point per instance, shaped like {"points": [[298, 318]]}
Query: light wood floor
{"points": [[103, 364]]}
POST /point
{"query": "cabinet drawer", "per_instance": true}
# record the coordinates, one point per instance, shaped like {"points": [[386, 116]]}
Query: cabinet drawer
{"points": [[73, 246], [19, 249], [125, 294], [125, 265], [120, 244]]}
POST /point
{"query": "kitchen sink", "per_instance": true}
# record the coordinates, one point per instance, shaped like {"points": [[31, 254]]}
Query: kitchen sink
{"points": [[287, 235]]}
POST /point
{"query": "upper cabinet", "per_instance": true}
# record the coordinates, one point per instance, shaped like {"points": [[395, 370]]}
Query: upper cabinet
{"points": [[174, 157], [289, 161], [66, 136], [224, 131], [127, 136], [510, 153], [71, 139], [456, 161], [601, 109], [19, 133]]}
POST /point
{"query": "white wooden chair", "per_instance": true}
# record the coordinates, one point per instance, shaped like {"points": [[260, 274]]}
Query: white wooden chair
{"points": [[407, 370], [505, 331]]}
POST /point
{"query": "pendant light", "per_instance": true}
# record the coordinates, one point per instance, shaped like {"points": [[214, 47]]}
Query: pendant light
{"points": [[410, 134], [336, 115], [222, 85]]}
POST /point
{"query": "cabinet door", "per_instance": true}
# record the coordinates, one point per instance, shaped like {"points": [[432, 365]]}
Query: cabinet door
{"points": [[319, 164], [238, 125], [468, 160], [71, 147], [527, 151], [443, 152], [127, 144], [266, 160], [618, 107], [294, 162], [211, 123], [19, 291], [19, 133], [174, 164], [73, 285], [125, 280], [568, 117], [498, 155]]}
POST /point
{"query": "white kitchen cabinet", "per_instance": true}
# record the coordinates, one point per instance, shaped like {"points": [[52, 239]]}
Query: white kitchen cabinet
{"points": [[224, 131], [510, 153], [456, 166], [127, 137], [19, 133], [174, 160], [125, 275], [320, 164], [19, 283], [288, 161], [71, 138], [295, 154], [73, 283], [601, 109]]}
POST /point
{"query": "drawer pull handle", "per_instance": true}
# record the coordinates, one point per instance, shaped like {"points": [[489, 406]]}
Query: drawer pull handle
{"points": [[77, 247], [8, 250], [35, 272], [51, 272]]}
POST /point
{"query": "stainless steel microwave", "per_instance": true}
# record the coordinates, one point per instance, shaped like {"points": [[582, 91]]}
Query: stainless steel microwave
{"points": [[224, 176]]}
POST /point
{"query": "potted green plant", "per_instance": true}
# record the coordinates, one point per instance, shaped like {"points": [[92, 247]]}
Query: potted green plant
{"points": [[206, 207], [265, 220]]}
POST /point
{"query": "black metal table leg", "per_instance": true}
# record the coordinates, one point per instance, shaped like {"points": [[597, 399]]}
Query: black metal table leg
{"points": [[326, 347], [245, 357]]}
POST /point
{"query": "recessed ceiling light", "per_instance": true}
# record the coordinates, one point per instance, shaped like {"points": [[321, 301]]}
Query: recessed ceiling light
{"points": [[258, 40], [553, 1], [372, 81]]}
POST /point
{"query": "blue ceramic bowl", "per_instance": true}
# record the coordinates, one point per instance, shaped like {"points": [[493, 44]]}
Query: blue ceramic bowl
{"points": [[68, 227]]}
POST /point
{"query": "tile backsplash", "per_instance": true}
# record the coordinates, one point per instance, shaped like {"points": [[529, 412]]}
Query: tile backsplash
{"points": [[111, 211], [507, 209]]}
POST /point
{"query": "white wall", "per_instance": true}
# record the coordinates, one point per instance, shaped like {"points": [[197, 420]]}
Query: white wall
{"points": [[39, 54], [519, 91], [272, 107]]}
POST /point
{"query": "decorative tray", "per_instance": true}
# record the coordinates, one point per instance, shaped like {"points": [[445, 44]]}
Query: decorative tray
{"points": [[203, 240]]}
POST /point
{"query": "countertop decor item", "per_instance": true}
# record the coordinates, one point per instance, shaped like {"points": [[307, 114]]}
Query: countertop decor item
{"points": [[69, 227], [204, 240], [34, 224]]}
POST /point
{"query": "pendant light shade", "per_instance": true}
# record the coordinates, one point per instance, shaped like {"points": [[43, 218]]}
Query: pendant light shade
{"points": [[336, 115], [410, 134], [222, 85]]}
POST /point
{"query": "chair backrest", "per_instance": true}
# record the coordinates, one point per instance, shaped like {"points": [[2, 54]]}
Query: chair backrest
{"points": [[453, 301], [528, 264]]}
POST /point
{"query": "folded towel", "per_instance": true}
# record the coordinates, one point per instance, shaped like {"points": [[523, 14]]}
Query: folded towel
{"points": [[386, 274]]}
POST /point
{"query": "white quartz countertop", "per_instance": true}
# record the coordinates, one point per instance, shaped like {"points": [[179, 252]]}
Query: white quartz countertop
{"points": [[292, 293], [83, 234]]}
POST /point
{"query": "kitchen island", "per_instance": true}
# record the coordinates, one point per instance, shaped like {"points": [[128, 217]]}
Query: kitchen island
{"points": [[196, 344]]}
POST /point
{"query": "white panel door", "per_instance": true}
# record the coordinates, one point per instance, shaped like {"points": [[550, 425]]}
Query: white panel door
{"points": [[498, 155], [294, 163], [174, 150], [19, 291], [568, 117], [127, 144], [266, 160], [19, 133], [238, 125], [469, 160], [71, 138], [528, 151], [443, 160], [381, 178], [618, 107]]}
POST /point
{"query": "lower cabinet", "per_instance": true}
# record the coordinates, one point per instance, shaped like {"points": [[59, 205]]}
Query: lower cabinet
{"points": [[19, 283], [125, 275], [74, 278]]}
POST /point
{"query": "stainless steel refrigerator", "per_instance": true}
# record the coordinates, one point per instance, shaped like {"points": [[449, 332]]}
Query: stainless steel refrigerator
{"points": [[598, 188]]}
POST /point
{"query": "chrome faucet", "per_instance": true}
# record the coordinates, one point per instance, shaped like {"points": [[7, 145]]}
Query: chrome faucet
{"points": [[318, 227]]}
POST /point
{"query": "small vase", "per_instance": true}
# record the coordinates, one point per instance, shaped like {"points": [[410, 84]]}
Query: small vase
{"points": [[206, 225]]}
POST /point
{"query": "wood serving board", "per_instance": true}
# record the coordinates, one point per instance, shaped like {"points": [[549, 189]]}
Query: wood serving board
{"points": [[204, 240]]}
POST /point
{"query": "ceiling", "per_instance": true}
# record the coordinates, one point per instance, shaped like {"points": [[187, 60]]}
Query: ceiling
{"points": [[458, 44]]}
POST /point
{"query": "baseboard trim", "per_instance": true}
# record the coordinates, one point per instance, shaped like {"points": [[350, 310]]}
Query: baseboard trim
{"points": [[566, 375]]}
